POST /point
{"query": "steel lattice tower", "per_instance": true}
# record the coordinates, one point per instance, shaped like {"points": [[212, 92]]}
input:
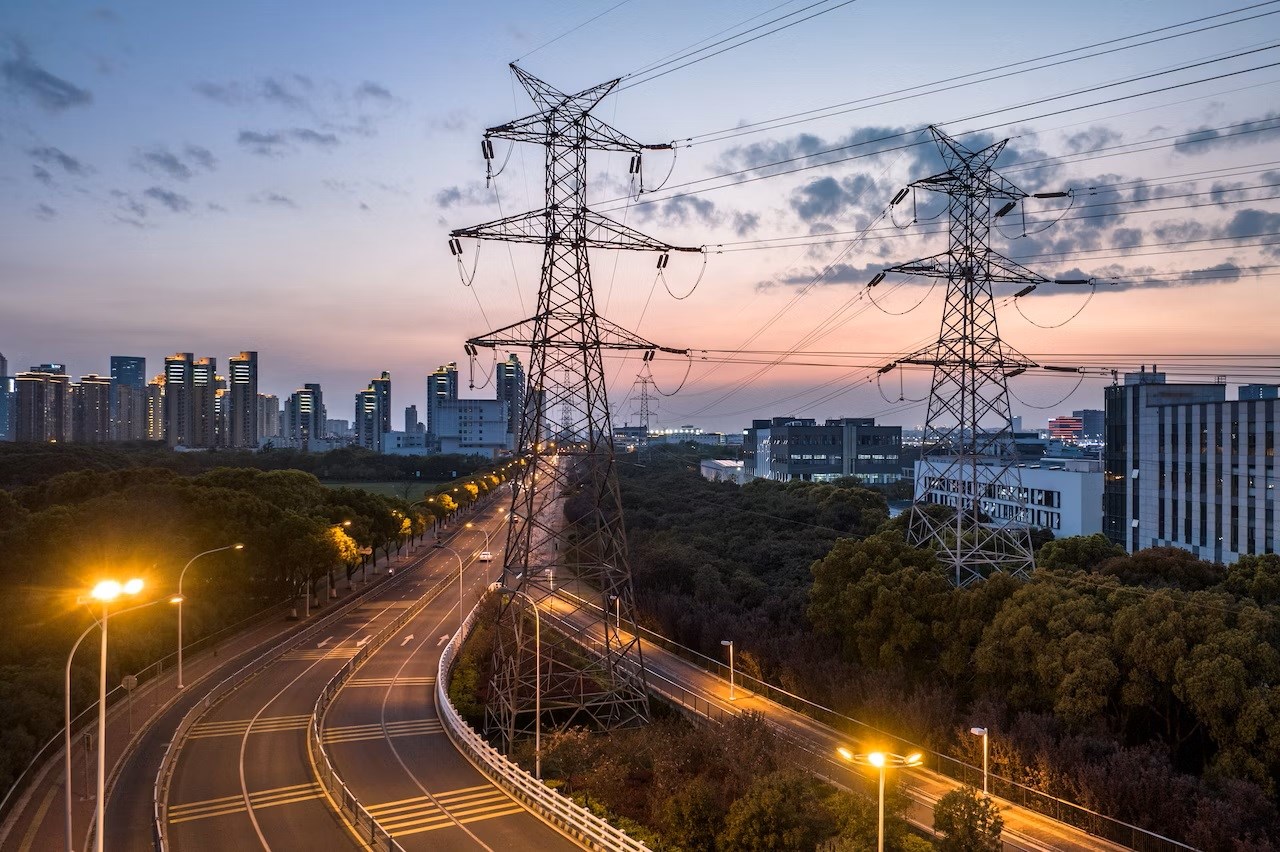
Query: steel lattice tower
{"points": [[643, 409], [566, 516], [968, 433]]}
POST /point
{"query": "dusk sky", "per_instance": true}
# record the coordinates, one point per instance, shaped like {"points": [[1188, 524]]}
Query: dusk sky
{"points": [[283, 177]]}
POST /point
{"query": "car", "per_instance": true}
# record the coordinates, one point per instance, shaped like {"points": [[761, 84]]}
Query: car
{"points": [[486, 556]]}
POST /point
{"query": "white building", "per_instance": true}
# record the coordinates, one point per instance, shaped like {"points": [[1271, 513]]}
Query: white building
{"points": [[1060, 495], [473, 427], [722, 470]]}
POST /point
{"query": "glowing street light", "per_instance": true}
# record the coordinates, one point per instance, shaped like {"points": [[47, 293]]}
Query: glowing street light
{"points": [[729, 644], [105, 592], [882, 761]]}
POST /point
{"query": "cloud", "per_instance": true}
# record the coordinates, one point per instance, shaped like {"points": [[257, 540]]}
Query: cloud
{"points": [[1251, 132], [162, 163], [45, 212], [1251, 223], [369, 90], [290, 92], [1147, 277], [836, 273], [681, 210], [278, 91], [471, 195], [278, 142], [1091, 139], [274, 199], [744, 224], [827, 198], [25, 78], [51, 156], [201, 156], [451, 122], [42, 174], [130, 205], [175, 202]]}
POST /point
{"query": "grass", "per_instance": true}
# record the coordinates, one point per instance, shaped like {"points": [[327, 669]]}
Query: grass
{"points": [[416, 488]]}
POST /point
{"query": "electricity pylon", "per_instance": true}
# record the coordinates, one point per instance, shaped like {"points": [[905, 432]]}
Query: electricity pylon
{"points": [[969, 453], [643, 409], [566, 515]]}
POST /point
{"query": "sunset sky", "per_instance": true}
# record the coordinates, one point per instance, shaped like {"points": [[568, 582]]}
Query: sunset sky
{"points": [[283, 177]]}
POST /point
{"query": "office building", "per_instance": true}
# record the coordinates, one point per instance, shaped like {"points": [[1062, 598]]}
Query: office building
{"points": [[789, 448], [1187, 468], [338, 428], [91, 409], [1252, 392], [179, 412], [474, 427], [381, 388], [1063, 428], [42, 404], [1060, 495], [1092, 423], [412, 424], [204, 402], [268, 416], [242, 412], [373, 413]]}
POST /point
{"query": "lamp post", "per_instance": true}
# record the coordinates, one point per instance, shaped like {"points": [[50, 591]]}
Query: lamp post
{"points": [[179, 599], [986, 753], [457, 556], [617, 613], [537, 675], [106, 592], [882, 761], [729, 644]]}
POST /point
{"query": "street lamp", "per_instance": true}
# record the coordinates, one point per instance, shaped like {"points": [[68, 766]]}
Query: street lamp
{"points": [[458, 556], [729, 644], [617, 614], [537, 675], [106, 592], [882, 761], [986, 753], [178, 599]]}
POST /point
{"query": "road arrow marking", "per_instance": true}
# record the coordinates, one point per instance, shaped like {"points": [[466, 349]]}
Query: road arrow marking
{"points": [[362, 642], [324, 642], [443, 639], [407, 640]]}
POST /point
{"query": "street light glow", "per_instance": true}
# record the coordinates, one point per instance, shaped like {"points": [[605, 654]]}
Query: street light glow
{"points": [[845, 753], [238, 546], [876, 759], [132, 587], [914, 759], [107, 590]]}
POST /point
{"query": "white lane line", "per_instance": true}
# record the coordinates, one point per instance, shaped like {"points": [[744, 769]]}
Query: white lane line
{"points": [[324, 642]]}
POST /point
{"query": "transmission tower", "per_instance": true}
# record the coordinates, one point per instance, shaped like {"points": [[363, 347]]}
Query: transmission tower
{"points": [[566, 529], [969, 449], [643, 409]]}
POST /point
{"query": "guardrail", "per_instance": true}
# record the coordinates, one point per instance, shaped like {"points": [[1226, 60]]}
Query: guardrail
{"points": [[233, 682], [362, 822], [86, 719], [1070, 813], [573, 820]]}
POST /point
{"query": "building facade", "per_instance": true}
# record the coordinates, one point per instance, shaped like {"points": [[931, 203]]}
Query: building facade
{"points": [[243, 423], [42, 404], [788, 448], [91, 409], [1185, 467], [304, 417], [509, 382], [442, 387]]}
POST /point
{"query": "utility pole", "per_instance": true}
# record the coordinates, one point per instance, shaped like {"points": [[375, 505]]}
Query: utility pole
{"points": [[566, 508], [969, 456]]}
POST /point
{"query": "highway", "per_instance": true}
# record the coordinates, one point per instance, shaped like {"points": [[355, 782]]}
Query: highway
{"points": [[385, 739], [815, 743], [244, 778]]}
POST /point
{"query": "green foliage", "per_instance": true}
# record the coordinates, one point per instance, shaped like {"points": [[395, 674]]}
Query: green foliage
{"points": [[969, 822], [1077, 553], [780, 812]]}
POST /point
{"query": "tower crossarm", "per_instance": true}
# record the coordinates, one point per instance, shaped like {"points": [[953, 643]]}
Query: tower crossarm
{"points": [[561, 326]]}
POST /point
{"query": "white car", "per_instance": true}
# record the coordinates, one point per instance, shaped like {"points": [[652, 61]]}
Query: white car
{"points": [[486, 556]]}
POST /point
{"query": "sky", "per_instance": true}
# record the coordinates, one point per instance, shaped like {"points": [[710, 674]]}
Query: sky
{"points": [[283, 177]]}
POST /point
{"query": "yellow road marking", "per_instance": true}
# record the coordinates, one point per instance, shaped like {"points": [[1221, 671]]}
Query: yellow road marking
{"points": [[30, 836], [224, 805]]}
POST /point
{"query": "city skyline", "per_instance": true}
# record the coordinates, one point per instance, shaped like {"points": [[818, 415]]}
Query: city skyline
{"points": [[284, 181]]}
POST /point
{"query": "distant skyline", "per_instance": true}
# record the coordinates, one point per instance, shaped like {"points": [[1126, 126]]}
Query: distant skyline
{"points": [[283, 177]]}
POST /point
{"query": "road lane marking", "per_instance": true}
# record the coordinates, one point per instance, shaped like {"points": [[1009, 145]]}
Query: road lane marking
{"points": [[224, 805], [466, 805], [324, 642], [267, 725], [407, 640], [30, 836], [320, 654], [443, 639], [375, 731], [390, 681], [364, 641]]}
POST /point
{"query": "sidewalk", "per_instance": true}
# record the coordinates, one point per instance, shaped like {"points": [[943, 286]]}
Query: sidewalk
{"points": [[37, 823]]}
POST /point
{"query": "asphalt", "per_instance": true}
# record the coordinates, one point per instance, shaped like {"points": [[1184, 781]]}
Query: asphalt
{"points": [[385, 738]]}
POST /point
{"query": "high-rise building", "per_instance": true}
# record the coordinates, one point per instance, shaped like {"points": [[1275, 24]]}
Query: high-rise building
{"points": [[242, 417], [204, 402], [1248, 392], [1185, 467], [91, 409], [304, 416], [6, 401], [373, 413], [42, 404], [1066, 428], [179, 410], [412, 425], [1093, 423], [442, 386], [268, 415], [156, 423], [510, 386]]}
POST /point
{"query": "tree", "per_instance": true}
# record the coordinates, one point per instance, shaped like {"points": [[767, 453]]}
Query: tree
{"points": [[778, 814], [1077, 553], [969, 821]]}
